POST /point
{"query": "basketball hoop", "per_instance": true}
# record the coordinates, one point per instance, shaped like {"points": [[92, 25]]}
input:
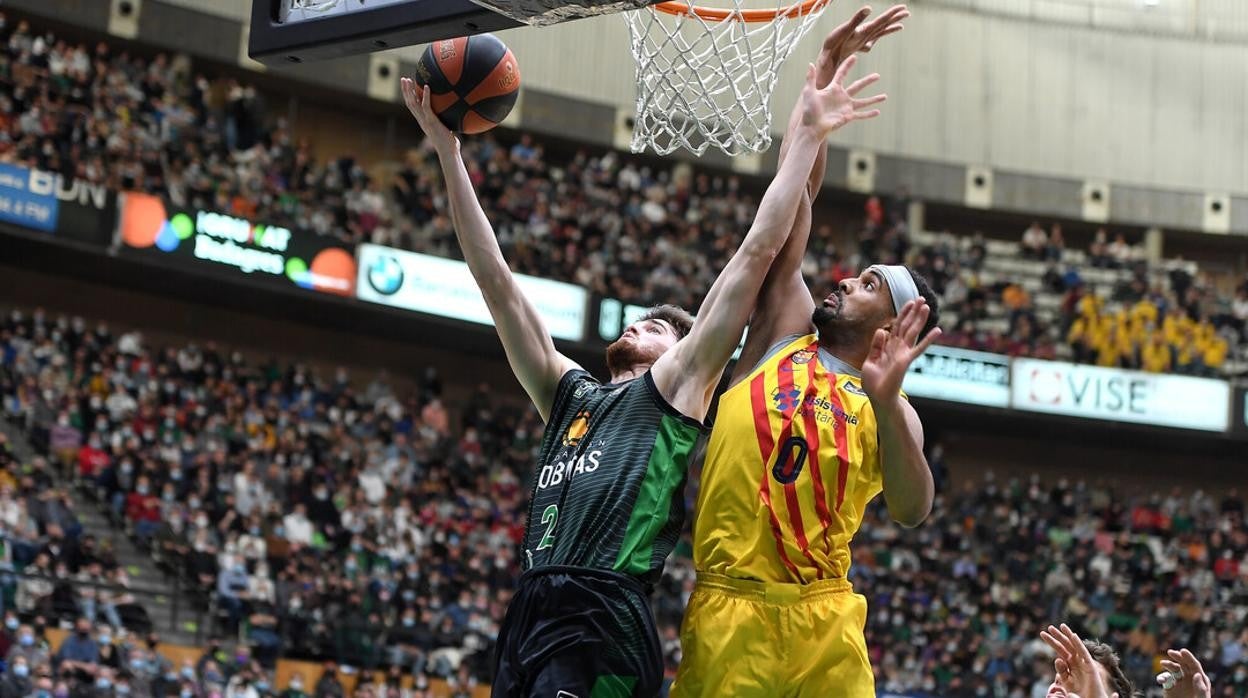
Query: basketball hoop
{"points": [[705, 76]]}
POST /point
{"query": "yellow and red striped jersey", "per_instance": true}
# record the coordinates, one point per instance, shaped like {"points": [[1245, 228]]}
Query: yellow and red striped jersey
{"points": [[792, 462]]}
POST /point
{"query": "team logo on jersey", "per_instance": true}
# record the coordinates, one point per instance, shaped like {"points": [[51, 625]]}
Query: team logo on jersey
{"points": [[582, 390], [577, 429], [786, 400], [852, 387], [803, 357]]}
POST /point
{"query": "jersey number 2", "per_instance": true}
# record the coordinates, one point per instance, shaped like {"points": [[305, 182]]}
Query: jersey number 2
{"points": [[550, 516]]}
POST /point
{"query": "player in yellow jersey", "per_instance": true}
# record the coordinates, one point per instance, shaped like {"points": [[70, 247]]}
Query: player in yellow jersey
{"points": [[812, 427]]}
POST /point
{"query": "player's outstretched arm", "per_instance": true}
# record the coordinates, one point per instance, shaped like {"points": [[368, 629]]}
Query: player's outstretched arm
{"points": [[908, 486], [687, 375], [530, 350], [784, 304]]}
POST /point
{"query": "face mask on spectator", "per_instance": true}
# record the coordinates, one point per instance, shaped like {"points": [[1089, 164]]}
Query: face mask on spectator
{"points": [[27, 639], [296, 684], [11, 623], [21, 671], [103, 683], [188, 673], [122, 690], [105, 638], [187, 693]]}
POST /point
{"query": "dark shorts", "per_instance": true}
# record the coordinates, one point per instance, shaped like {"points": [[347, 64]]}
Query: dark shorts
{"points": [[572, 632]]}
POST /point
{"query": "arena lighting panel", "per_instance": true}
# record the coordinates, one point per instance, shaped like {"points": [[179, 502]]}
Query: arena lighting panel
{"points": [[294, 31]]}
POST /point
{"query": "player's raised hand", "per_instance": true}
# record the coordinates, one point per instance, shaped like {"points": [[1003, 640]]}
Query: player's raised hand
{"points": [[832, 107], [892, 351], [1190, 680], [1076, 669], [855, 35], [416, 98]]}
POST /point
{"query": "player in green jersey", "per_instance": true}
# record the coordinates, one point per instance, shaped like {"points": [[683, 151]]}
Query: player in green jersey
{"points": [[607, 503]]}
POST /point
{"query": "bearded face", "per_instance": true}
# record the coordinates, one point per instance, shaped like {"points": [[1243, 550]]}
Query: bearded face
{"points": [[641, 345]]}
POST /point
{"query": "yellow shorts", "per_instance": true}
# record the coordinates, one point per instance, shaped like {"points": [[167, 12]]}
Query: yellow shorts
{"points": [[746, 639]]}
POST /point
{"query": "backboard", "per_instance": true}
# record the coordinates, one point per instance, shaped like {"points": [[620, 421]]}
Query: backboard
{"points": [[294, 31]]}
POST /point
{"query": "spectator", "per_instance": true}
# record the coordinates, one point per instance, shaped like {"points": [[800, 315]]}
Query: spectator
{"points": [[233, 583], [1035, 241], [1098, 252], [1056, 248], [295, 688], [79, 652], [328, 685], [28, 648], [17, 681], [1119, 251]]}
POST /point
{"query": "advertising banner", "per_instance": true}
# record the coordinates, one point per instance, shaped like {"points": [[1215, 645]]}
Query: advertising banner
{"points": [[1119, 395], [1239, 423], [960, 375], [229, 246], [445, 287], [28, 198]]}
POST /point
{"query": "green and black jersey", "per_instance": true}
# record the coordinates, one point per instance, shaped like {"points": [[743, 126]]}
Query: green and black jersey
{"points": [[608, 493]]}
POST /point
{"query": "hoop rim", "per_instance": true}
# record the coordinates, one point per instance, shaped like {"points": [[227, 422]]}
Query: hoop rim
{"points": [[797, 9]]}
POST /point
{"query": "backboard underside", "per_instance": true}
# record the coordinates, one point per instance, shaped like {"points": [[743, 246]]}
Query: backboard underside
{"points": [[294, 31]]}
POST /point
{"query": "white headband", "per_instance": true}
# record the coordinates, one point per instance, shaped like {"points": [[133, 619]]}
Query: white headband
{"points": [[900, 283]]}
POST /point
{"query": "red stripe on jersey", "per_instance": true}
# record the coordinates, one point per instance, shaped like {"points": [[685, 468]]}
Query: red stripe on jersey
{"points": [[790, 489], [762, 416], [762, 429], [842, 442], [812, 440]]}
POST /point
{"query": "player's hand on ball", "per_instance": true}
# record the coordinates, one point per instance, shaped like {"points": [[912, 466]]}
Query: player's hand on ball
{"points": [[856, 35], [831, 107], [892, 351], [1190, 680], [417, 100]]}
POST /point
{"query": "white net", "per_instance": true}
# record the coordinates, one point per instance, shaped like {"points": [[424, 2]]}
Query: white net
{"points": [[704, 82]]}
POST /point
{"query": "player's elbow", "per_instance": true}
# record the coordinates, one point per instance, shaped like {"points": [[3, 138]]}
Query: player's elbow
{"points": [[912, 515], [758, 255]]}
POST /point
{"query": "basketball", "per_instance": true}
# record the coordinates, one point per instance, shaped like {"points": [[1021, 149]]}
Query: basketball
{"points": [[473, 81]]}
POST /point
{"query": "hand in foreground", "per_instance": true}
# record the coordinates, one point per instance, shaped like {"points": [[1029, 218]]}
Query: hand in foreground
{"points": [[892, 351], [1076, 669], [1190, 678], [831, 107], [855, 35], [417, 100]]}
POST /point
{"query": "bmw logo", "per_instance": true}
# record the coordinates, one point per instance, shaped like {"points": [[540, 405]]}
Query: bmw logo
{"points": [[385, 275]]}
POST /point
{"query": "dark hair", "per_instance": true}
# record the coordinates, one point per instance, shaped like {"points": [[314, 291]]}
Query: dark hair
{"points": [[1108, 658], [933, 301], [674, 315]]}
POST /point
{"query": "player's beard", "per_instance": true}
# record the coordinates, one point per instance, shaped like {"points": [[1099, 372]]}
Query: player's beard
{"points": [[834, 328], [624, 354]]}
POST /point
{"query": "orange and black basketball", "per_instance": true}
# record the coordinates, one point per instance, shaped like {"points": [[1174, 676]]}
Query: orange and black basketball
{"points": [[473, 81]]}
